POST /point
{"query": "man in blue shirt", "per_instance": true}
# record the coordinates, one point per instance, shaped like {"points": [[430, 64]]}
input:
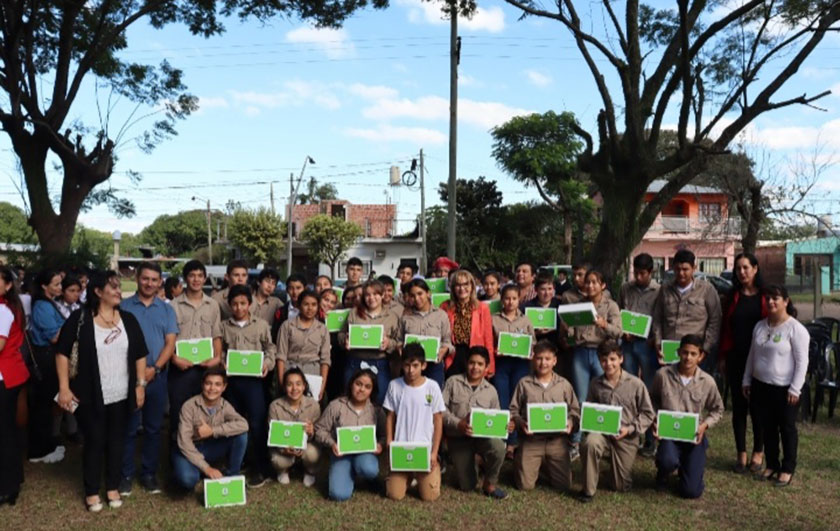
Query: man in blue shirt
{"points": [[157, 320]]}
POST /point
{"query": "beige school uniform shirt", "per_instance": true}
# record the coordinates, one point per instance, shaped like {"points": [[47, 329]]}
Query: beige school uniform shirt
{"points": [[460, 398], [221, 298], [697, 311], [591, 336], [340, 414], [390, 329], [640, 300], [434, 323], [518, 325], [265, 310], [531, 391], [630, 393], [255, 335], [303, 347], [396, 308], [699, 396], [225, 421], [197, 322]]}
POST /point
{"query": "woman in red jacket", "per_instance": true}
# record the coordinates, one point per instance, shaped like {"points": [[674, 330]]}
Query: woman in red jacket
{"points": [[471, 323], [13, 374], [743, 309]]}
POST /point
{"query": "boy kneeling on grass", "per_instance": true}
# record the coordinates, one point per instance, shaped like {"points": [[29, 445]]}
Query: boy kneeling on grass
{"points": [[461, 393], [208, 430], [685, 387], [616, 387], [544, 386], [414, 407]]}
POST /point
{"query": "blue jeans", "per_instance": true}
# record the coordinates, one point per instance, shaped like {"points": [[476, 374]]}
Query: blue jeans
{"points": [[187, 474], [509, 371], [151, 416], [383, 376], [435, 372], [639, 354], [247, 396], [690, 458], [585, 367], [344, 471]]}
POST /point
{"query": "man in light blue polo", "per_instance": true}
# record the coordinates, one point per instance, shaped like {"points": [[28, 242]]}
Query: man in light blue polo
{"points": [[160, 328]]}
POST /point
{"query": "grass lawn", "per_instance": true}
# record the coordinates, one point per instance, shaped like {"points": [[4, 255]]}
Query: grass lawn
{"points": [[52, 499]]}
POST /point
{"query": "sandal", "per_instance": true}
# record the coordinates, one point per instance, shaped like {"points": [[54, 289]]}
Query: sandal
{"points": [[755, 468], [740, 468], [767, 477], [94, 507], [782, 484]]}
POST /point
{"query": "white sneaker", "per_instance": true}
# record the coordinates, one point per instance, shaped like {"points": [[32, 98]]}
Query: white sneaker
{"points": [[308, 480], [413, 482], [56, 456], [283, 478]]}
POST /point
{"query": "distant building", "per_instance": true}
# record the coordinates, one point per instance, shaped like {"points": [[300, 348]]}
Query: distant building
{"points": [[376, 221], [804, 257]]}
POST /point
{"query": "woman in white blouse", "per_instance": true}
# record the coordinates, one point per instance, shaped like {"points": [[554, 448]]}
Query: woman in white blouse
{"points": [[773, 379]]}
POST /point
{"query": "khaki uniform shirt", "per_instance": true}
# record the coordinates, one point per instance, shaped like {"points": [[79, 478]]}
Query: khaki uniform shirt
{"points": [[197, 322], [225, 421], [701, 394], [221, 298], [396, 308], [297, 346], [697, 311], [519, 325], [572, 296], [459, 399], [390, 329], [340, 414], [266, 310], [591, 336], [434, 323], [640, 300], [630, 393], [255, 335], [529, 390], [309, 410]]}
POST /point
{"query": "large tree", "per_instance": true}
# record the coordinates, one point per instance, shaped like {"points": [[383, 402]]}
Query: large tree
{"points": [[13, 226], [178, 234], [258, 234], [706, 67], [50, 51], [328, 238]]}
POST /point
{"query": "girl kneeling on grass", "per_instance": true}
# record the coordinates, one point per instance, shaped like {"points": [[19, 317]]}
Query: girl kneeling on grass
{"points": [[355, 409], [296, 405]]}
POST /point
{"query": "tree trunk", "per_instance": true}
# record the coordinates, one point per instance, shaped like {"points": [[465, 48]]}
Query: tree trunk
{"points": [[567, 237], [753, 220], [620, 230]]}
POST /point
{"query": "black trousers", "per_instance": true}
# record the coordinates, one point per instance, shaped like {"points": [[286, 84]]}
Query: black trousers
{"points": [[11, 460], [736, 363], [104, 431], [183, 385], [778, 418], [42, 403]]}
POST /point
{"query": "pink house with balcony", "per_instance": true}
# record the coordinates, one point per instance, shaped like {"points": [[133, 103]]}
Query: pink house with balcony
{"points": [[697, 219]]}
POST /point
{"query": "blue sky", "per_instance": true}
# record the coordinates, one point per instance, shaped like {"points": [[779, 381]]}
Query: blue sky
{"points": [[369, 96]]}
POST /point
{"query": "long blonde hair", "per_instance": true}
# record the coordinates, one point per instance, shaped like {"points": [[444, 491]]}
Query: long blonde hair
{"points": [[461, 275]]}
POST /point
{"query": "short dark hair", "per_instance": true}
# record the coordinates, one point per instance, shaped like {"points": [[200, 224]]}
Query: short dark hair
{"points": [[509, 287], [608, 347], [295, 277], [239, 290], [169, 284], [692, 339], [598, 274], [409, 265], [777, 290], [494, 274], [386, 280], [683, 256], [479, 350], [414, 352], [580, 265], [236, 264], [418, 283], [218, 370], [643, 261], [529, 264], [324, 276], [543, 279], [374, 390], [154, 266], [545, 346], [289, 372], [193, 265], [307, 293], [354, 261], [268, 272], [70, 280]]}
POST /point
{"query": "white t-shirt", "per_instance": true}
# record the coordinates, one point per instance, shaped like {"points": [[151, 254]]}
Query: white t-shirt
{"points": [[779, 355], [415, 408], [113, 363]]}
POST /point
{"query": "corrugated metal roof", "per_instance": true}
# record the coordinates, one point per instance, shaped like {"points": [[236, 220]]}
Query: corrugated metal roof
{"points": [[657, 186]]}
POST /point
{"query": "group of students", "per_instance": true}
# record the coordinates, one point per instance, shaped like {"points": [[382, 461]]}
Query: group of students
{"points": [[115, 365]]}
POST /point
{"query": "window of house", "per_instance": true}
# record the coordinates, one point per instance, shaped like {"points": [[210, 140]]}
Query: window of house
{"points": [[338, 211], [710, 212], [711, 266]]}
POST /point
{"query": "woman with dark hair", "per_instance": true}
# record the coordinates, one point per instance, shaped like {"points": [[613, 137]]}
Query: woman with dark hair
{"points": [[44, 326], [773, 379], [423, 319], [743, 309], [13, 374], [108, 384], [173, 287], [296, 405]]}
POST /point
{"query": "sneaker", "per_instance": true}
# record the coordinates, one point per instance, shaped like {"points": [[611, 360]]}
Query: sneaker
{"points": [[308, 480], [413, 482], [125, 487], [115, 504], [648, 450], [283, 478], [150, 484], [256, 481], [585, 498], [56, 456], [574, 453], [496, 494]]}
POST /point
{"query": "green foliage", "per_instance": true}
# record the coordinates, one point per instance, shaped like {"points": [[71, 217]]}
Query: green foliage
{"points": [[316, 193], [13, 225], [258, 234], [327, 238], [179, 234]]}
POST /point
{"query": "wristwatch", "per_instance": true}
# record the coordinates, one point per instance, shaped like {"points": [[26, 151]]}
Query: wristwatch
{"points": [[141, 383]]}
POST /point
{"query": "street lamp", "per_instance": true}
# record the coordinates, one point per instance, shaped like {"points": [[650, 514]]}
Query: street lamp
{"points": [[293, 188], [209, 233], [116, 236]]}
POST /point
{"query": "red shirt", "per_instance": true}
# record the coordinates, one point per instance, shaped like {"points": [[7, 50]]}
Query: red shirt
{"points": [[480, 334], [12, 367]]}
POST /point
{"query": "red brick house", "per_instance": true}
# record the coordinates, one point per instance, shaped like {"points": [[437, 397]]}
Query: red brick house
{"points": [[377, 221]]}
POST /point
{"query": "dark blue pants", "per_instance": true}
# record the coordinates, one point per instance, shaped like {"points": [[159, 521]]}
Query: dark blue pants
{"points": [[689, 458], [509, 371], [187, 474], [435, 372], [383, 375], [247, 397], [151, 416], [183, 385]]}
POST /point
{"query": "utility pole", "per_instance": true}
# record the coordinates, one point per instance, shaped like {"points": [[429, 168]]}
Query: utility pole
{"points": [[423, 258], [289, 224], [454, 58], [209, 236], [271, 195]]}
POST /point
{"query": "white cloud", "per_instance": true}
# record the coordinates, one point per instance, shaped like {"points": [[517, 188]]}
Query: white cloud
{"points": [[335, 43], [485, 114], [318, 93], [465, 80], [491, 19], [295, 93], [372, 92], [388, 133], [538, 79], [212, 102], [798, 137]]}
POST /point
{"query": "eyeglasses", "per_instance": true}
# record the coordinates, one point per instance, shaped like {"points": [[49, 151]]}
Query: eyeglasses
{"points": [[113, 335]]}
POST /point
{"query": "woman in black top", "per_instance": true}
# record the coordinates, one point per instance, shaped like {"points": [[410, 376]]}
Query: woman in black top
{"points": [[744, 308], [109, 385]]}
